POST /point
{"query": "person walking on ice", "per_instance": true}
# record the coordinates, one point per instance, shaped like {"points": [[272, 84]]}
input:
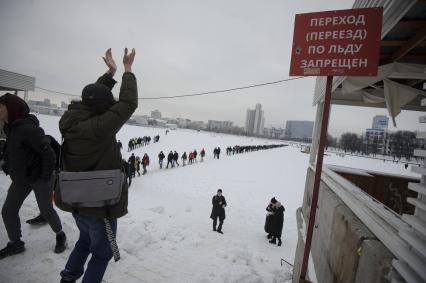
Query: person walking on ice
{"points": [[277, 221], [161, 157], [218, 210], [170, 160], [145, 162], [202, 153], [184, 157], [29, 160]]}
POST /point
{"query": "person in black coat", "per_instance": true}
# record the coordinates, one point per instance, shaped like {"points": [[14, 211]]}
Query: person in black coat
{"points": [[132, 162], [277, 221], [126, 167], [218, 210], [176, 158], [170, 159], [161, 158], [269, 219], [195, 155], [30, 161]]}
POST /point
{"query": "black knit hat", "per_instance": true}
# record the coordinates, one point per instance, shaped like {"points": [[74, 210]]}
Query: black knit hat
{"points": [[17, 108], [220, 190], [273, 200], [95, 93]]}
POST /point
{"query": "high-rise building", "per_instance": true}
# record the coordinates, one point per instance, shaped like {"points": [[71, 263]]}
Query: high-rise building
{"points": [[299, 129], [380, 122], [156, 114], [213, 125], [255, 120]]}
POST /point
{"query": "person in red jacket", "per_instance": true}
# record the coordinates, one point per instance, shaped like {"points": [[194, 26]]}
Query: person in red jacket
{"points": [[145, 162], [190, 157]]}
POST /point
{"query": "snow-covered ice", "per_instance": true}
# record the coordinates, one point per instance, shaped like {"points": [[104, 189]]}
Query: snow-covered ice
{"points": [[167, 235]]}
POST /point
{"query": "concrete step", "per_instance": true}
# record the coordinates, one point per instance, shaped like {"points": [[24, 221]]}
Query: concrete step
{"points": [[422, 119], [405, 271], [420, 153], [415, 241], [418, 169], [417, 203], [416, 223], [421, 135], [417, 188]]}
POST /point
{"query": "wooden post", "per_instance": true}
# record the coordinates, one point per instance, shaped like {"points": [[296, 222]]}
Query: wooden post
{"points": [[318, 170]]}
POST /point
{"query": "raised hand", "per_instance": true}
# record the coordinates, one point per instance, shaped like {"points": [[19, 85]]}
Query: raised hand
{"points": [[109, 61], [128, 60]]}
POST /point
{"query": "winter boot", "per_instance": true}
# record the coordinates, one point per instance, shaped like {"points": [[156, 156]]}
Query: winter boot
{"points": [[219, 231], [38, 220], [269, 236], [273, 241], [61, 242], [279, 242], [67, 281], [12, 248]]}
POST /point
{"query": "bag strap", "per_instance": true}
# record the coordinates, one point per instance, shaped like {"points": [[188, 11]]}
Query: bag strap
{"points": [[111, 239]]}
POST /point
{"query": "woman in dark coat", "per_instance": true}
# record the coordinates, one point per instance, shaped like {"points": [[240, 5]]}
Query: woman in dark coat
{"points": [[269, 219], [218, 210], [277, 222]]}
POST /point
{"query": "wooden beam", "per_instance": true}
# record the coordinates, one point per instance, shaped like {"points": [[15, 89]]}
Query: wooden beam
{"points": [[419, 37], [418, 58], [400, 43], [411, 24]]}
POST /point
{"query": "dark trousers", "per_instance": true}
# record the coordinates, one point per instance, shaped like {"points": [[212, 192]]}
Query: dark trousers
{"points": [[219, 228], [16, 195], [92, 241], [170, 162]]}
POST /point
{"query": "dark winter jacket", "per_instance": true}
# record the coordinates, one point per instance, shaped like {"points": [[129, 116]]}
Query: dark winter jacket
{"points": [[203, 153], [90, 142], [28, 155], [184, 157], [161, 156], [278, 220], [175, 156], [132, 160], [218, 209], [170, 157]]}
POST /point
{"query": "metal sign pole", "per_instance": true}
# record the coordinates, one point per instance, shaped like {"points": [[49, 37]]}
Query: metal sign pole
{"points": [[318, 170]]}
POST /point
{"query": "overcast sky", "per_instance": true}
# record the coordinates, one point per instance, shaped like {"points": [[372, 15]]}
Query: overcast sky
{"points": [[182, 47]]}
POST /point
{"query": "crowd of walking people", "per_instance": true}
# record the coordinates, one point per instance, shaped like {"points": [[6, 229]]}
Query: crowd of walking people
{"points": [[135, 143], [237, 149], [173, 157]]}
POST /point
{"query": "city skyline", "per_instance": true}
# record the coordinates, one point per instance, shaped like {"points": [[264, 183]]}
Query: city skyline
{"points": [[376, 119]]}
